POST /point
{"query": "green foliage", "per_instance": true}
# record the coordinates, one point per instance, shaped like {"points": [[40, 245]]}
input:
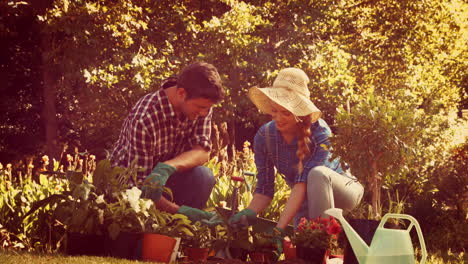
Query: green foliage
{"points": [[201, 236], [174, 225], [128, 213], [263, 242], [109, 180], [18, 196], [100, 57], [376, 139], [450, 179], [443, 228], [223, 191]]}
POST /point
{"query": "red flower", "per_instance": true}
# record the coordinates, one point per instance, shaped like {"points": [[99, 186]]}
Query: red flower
{"points": [[317, 233], [334, 228]]}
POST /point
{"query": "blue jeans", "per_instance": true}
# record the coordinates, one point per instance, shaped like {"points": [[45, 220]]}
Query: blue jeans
{"points": [[191, 188], [329, 189]]}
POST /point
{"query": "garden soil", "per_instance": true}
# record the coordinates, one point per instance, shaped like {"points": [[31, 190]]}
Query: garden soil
{"points": [[236, 261]]}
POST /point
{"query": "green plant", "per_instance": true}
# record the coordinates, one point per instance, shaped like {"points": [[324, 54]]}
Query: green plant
{"points": [[391, 134], [81, 212], [27, 226], [109, 180], [202, 236], [128, 214], [317, 233], [262, 242], [164, 223], [223, 190]]}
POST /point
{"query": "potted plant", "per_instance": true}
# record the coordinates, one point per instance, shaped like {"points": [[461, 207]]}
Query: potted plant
{"points": [[379, 158], [162, 235], [125, 221], [81, 216], [198, 246], [263, 249], [314, 238]]}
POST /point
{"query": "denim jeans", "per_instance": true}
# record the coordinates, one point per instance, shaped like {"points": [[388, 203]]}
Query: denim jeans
{"points": [[329, 189], [191, 188]]}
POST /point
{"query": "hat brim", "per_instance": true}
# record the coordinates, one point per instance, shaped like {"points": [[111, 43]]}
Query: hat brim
{"points": [[296, 103]]}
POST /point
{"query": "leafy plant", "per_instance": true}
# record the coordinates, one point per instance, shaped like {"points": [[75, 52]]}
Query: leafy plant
{"points": [[391, 134], [164, 223], [109, 180], [128, 214], [81, 211], [202, 236], [262, 242], [28, 226]]}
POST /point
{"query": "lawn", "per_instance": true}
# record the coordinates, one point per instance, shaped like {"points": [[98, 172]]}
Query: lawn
{"points": [[27, 258]]}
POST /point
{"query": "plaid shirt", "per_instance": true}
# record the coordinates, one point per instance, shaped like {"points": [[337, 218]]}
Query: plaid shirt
{"points": [[153, 133], [271, 151]]}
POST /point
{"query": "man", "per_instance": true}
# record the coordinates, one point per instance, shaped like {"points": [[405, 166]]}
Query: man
{"points": [[167, 133]]}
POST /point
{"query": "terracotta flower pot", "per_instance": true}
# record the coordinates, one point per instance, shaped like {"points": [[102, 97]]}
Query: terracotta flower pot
{"points": [[156, 247], [289, 250], [197, 253]]}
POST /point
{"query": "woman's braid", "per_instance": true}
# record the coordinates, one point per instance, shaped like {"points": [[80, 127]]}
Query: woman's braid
{"points": [[303, 140]]}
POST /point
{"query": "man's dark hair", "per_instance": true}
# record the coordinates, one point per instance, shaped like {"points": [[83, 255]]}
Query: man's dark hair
{"points": [[201, 79]]}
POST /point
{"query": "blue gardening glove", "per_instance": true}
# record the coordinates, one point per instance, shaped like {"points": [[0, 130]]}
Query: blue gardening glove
{"points": [[277, 239], [242, 219], [195, 214], [153, 185]]}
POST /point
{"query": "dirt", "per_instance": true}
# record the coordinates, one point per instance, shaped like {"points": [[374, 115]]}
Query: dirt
{"points": [[237, 261]]}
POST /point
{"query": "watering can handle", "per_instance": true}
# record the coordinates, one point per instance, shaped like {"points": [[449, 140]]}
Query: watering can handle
{"points": [[414, 223]]}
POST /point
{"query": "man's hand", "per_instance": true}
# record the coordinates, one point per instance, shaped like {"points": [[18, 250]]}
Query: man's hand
{"points": [[154, 182], [195, 214], [242, 219]]}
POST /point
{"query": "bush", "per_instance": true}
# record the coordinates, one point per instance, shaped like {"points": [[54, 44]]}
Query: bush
{"points": [[443, 229]]}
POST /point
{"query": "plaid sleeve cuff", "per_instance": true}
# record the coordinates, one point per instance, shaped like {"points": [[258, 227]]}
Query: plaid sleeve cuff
{"points": [[203, 142], [202, 134]]}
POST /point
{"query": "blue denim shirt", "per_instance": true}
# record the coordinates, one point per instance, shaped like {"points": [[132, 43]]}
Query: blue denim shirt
{"points": [[272, 151]]}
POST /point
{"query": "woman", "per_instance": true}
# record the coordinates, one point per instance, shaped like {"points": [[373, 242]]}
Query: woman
{"points": [[296, 143]]}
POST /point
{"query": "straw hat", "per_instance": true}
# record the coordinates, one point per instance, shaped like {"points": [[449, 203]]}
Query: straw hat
{"points": [[290, 91]]}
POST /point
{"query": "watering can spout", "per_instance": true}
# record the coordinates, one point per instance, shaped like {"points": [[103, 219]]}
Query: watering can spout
{"points": [[360, 247]]}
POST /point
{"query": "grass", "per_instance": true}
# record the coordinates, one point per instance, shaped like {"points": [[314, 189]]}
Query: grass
{"points": [[29, 258]]}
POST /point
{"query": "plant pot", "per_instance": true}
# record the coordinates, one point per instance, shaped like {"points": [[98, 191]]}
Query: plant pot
{"points": [[238, 253], [261, 257], [366, 229], [289, 250], [197, 253], [126, 245], [311, 255], [80, 244], [156, 247]]}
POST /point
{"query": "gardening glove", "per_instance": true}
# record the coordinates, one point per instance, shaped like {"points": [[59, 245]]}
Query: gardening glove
{"points": [[194, 214], [153, 185], [278, 235], [213, 221], [242, 219]]}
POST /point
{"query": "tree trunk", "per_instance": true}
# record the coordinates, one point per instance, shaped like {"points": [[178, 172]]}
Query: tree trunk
{"points": [[49, 113], [376, 183]]}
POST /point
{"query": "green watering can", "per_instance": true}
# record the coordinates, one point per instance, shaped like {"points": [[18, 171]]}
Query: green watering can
{"points": [[388, 246]]}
